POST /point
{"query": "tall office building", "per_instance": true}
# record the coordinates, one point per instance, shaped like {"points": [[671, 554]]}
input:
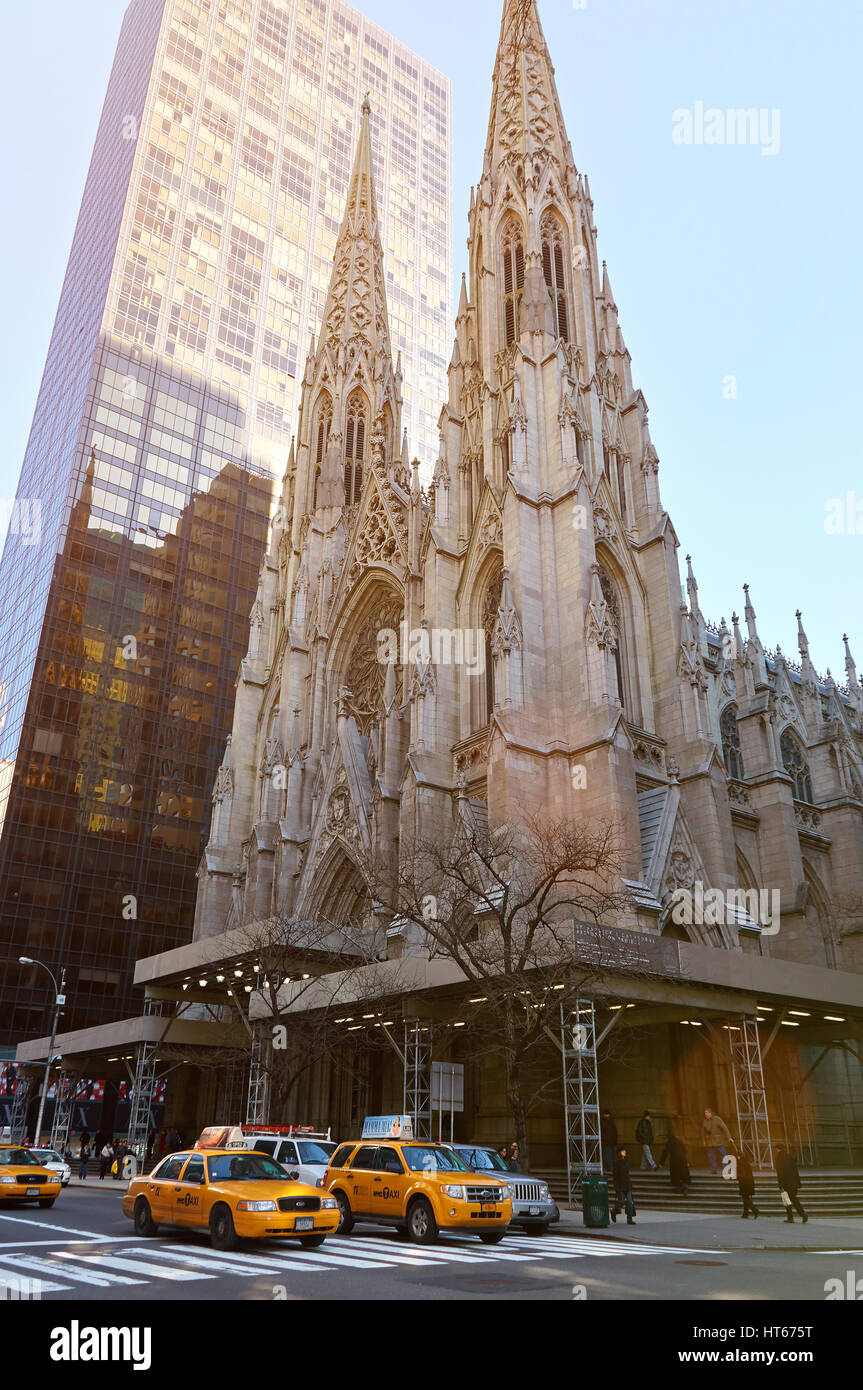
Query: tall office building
{"points": [[197, 275]]}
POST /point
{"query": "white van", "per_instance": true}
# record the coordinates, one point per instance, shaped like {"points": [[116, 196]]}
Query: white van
{"points": [[301, 1151]]}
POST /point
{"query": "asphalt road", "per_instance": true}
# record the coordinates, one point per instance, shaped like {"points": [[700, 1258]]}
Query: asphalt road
{"points": [[84, 1248]]}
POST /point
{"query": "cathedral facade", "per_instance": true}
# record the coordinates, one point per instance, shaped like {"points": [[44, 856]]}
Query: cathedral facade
{"points": [[511, 632]]}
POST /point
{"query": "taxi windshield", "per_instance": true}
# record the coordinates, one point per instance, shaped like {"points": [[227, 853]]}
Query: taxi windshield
{"points": [[484, 1158], [429, 1158], [245, 1167], [21, 1158]]}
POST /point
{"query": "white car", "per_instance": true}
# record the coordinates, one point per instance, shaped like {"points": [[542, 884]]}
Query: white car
{"points": [[301, 1154], [49, 1158]]}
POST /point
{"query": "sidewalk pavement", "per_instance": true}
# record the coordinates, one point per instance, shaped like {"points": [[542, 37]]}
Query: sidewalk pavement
{"points": [[707, 1230], [690, 1230]]}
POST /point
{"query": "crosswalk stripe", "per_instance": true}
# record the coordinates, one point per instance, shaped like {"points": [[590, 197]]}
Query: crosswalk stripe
{"points": [[226, 1263], [425, 1253], [80, 1276], [137, 1266]]}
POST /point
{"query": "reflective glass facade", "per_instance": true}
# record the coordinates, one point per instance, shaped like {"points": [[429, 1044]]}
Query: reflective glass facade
{"points": [[197, 275]]}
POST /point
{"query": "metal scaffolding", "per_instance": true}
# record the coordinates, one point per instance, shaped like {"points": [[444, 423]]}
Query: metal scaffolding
{"points": [[21, 1095], [143, 1090], [580, 1091], [258, 1094], [68, 1084], [749, 1093], [418, 1077], [231, 1096]]}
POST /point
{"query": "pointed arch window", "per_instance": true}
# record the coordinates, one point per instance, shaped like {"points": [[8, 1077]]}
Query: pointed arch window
{"points": [[321, 435], [609, 593], [795, 764], [731, 751], [491, 605], [355, 448], [513, 279], [553, 240]]}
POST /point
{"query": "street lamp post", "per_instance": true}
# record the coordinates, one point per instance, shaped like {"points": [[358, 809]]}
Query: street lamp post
{"points": [[59, 998]]}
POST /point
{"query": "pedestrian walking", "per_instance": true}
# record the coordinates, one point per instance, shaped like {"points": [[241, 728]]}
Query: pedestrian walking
{"points": [[678, 1163], [83, 1159], [644, 1136], [513, 1158], [717, 1140], [623, 1189], [117, 1165], [106, 1158], [746, 1186], [608, 1139], [789, 1184]]}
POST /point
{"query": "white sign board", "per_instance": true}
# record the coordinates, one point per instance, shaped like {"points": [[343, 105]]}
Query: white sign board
{"points": [[447, 1086]]}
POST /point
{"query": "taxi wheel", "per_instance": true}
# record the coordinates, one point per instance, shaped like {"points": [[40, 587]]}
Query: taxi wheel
{"points": [[422, 1227], [144, 1223], [222, 1233], [346, 1220], [491, 1237], [311, 1242], [47, 1201]]}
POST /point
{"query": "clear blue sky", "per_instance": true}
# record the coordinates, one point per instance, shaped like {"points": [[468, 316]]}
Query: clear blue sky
{"points": [[724, 262]]}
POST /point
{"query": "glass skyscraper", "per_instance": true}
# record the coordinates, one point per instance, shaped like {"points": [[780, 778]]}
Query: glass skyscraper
{"points": [[197, 276]]}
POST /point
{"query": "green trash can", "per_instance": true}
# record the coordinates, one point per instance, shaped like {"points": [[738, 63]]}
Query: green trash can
{"points": [[594, 1202]]}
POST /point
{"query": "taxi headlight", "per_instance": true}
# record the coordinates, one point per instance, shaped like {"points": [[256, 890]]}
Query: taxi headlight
{"points": [[257, 1206], [328, 1203], [6, 1178], [452, 1191]]}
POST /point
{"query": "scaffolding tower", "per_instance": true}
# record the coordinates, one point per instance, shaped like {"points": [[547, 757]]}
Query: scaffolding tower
{"points": [[418, 1077], [21, 1095], [258, 1093], [580, 1092], [143, 1091], [749, 1092], [68, 1085]]}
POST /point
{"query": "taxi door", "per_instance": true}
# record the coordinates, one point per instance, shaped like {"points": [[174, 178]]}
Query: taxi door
{"points": [[359, 1178], [188, 1193], [164, 1186], [388, 1184]]}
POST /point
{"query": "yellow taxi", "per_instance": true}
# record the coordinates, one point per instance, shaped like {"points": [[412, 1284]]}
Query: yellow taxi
{"points": [[235, 1193], [418, 1186], [24, 1179]]}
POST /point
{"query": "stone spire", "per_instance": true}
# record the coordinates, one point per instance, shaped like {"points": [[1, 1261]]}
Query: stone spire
{"points": [[526, 123], [854, 690], [810, 675], [356, 305]]}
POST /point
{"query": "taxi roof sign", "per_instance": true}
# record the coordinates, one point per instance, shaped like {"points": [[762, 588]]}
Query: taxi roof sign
{"points": [[388, 1127], [221, 1137]]}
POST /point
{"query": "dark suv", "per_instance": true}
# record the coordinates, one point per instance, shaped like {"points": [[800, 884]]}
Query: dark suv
{"points": [[533, 1208]]}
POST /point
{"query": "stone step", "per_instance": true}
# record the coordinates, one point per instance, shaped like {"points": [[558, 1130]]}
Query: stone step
{"points": [[826, 1193]]}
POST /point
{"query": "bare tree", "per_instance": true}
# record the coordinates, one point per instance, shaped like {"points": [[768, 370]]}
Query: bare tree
{"points": [[300, 978], [500, 905]]}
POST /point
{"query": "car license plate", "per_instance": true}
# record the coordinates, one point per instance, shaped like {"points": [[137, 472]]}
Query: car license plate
{"points": [[536, 1211], [304, 1223], [32, 1192], [487, 1206]]}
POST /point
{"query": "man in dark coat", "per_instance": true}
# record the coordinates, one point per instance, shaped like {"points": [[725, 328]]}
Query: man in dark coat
{"points": [[746, 1186], [644, 1136], [608, 1138], [789, 1181], [623, 1189], [678, 1163]]}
